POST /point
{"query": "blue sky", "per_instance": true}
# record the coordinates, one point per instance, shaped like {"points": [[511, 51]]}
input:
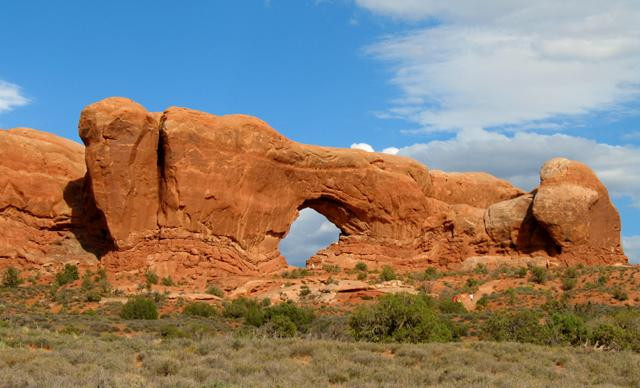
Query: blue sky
{"points": [[497, 87]]}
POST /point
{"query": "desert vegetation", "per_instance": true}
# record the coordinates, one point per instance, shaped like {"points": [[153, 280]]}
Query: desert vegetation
{"points": [[77, 329]]}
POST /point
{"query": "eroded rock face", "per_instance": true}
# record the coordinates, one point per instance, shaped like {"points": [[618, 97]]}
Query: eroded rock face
{"points": [[196, 196], [121, 157], [41, 198], [574, 207], [476, 189]]}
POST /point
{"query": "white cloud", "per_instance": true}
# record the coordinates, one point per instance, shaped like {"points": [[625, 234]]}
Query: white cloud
{"points": [[632, 248], [519, 157], [362, 146], [391, 150], [309, 233], [499, 62], [10, 96]]}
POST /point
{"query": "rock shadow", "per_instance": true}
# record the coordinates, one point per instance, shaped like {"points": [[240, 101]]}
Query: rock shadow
{"points": [[88, 223]]}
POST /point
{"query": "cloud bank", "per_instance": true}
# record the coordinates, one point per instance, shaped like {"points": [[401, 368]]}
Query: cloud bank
{"points": [[495, 62]]}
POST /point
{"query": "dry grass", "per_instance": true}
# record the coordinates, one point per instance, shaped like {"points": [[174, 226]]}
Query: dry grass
{"points": [[43, 358]]}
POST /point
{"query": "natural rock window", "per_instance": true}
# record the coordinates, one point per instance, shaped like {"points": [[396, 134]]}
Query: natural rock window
{"points": [[309, 233]]}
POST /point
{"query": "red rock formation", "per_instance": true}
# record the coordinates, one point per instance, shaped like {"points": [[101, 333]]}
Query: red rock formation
{"points": [[40, 194], [195, 196], [476, 189], [121, 156], [574, 207]]}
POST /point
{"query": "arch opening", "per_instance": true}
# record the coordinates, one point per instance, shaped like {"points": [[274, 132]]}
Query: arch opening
{"points": [[308, 234]]}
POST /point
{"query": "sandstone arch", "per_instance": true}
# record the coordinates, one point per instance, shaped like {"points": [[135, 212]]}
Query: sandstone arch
{"points": [[208, 195]]}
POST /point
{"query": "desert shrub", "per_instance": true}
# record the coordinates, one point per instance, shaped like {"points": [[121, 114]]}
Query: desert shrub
{"points": [[431, 273], [11, 278], [619, 294], [150, 277], [139, 308], [199, 309], [609, 335], [567, 329], [304, 291], [571, 272], [297, 273], [281, 326], [360, 266], [171, 331], [362, 276], [538, 275], [629, 321], [387, 274], [522, 272], [471, 282], [68, 274], [95, 285], [481, 269], [569, 283], [515, 326], [602, 280], [167, 281], [331, 268], [448, 306], [93, 295], [300, 316], [247, 309], [482, 302], [215, 290], [401, 318]]}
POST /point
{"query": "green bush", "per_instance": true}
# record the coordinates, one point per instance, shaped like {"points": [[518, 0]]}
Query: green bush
{"points": [[150, 277], [215, 290], [11, 278], [448, 306], [619, 294], [93, 296], [247, 309], [569, 283], [481, 269], [539, 275], [171, 331], [331, 268], [522, 272], [571, 272], [167, 281], [281, 326], [139, 308], [482, 302], [602, 280], [199, 309], [515, 326], [304, 291], [431, 273], [360, 266], [567, 329], [471, 282], [300, 316], [401, 318], [68, 274], [387, 274], [297, 273], [609, 335]]}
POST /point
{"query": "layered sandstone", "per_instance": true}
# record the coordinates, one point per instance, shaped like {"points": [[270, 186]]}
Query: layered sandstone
{"points": [[194, 196], [41, 198]]}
